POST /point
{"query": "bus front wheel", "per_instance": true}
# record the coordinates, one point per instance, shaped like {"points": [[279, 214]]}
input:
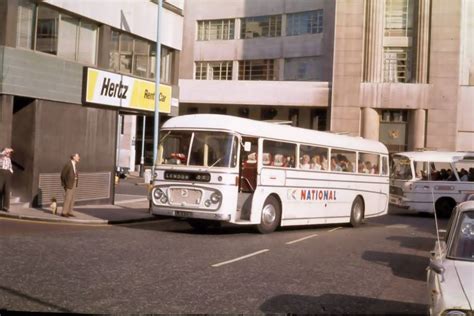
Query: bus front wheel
{"points": [[357, 212], [271, 215]]}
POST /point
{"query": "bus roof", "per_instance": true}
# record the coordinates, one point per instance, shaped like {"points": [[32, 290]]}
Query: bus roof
{"points": [[438, 156], [250, 127]]}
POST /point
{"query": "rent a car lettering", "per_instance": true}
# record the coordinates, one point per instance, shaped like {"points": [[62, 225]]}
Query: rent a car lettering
{"points": [[112, 89]]}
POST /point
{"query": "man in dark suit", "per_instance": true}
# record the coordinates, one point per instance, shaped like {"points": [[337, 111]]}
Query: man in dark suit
{"points": [[69, 181]]}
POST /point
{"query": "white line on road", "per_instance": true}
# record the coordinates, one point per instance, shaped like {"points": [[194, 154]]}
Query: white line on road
{"points": [[301, 239], [334, 229], [240, 258]]}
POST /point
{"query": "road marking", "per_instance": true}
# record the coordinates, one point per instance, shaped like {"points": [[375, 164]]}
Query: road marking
{"points": [[301, 239], [239, 258], [334, 229], [400, 226], [441, 230]]}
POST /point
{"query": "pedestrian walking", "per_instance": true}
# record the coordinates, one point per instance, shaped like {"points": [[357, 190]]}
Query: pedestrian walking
{"points": [[6, 172], [69, 181]]}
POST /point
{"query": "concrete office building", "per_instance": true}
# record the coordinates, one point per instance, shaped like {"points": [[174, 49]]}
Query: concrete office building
{"points": [[399, 71], [65, 68], [259, 59]]}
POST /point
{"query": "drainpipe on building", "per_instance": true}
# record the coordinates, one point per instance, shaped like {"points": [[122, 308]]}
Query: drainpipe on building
{"points": [[157, 89]]}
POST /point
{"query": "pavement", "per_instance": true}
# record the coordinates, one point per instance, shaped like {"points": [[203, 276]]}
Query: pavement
{"points": [[131, 205]]}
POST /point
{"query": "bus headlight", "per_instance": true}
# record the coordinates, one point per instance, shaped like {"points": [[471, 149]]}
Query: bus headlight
{"points": [[207, 203], [164, 199], [157, 194], [215, 197]]}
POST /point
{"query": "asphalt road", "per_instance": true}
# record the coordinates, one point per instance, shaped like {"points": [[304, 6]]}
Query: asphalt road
{"points": [[165, 267]]}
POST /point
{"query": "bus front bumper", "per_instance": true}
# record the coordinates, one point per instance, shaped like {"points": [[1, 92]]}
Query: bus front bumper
{"points": [[398, 202], [190, 214]]}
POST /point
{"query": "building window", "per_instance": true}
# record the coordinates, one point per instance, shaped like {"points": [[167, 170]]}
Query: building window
{"points": [[303, 69], [215, 70], [216, 30], [25, 23], [260, 69], [399, 17], [218, 110], [310, 22], [261, 26], [393, 129], [47, 30], [59, 34], [267, 114], [397, 64], [318, 119]]}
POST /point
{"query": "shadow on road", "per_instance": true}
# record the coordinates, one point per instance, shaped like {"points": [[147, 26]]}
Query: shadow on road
{"points": [[403, 265], [31, 299], [417, 243], [337, 304]]}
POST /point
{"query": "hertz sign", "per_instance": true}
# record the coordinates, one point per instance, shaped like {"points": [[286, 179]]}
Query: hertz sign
{"points": [[108, 88]]}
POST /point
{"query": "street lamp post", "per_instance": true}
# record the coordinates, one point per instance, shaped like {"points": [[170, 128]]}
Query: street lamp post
{"points": [[157, 87]]}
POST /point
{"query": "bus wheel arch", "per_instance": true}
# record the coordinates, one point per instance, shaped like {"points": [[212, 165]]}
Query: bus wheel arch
{"points": [[357, 211], [271, 214], [444, 206]]}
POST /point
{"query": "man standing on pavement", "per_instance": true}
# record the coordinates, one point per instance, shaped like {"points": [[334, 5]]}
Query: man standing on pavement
{"points": [[6, 171], [69, 181]]}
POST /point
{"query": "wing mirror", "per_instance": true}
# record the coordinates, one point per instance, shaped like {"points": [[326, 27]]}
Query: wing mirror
{"points": [[436, 267]]}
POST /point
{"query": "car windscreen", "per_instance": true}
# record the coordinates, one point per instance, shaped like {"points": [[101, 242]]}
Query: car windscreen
{"points": [[463, 242]]}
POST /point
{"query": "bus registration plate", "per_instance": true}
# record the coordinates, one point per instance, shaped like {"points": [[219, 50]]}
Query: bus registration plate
{"points": [[183, 214]]}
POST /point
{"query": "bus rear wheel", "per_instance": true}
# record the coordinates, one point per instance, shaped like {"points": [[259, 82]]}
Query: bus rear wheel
{"points": [[357, 212], [271, 214], [444, 207]]}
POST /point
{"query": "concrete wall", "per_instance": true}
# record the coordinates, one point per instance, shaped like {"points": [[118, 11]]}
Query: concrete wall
{"points": [[47, 133], [134, 16], [444, 74]]}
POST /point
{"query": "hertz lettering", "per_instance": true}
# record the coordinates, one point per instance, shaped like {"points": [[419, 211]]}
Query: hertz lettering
{"points": [[116, 90]]}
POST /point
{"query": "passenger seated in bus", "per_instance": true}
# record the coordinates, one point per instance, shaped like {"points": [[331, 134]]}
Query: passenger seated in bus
{"points": [[280, 161], [324, 162], [451, 176], [435, 176], [316, 163], [463, 175], [305, 162], [267, 159], [367, 167], [334, 165], [290, 162], [470, 176]]}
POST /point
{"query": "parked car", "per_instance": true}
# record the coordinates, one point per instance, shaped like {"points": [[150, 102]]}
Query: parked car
{"points": [[450, 274]]}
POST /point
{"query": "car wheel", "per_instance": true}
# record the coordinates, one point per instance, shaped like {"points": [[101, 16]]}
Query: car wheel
{"points": [[444, 207], [357, 212], [271, 215]]}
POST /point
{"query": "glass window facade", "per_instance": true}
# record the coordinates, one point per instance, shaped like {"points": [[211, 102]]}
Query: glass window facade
{"points": [[25, 23], [303, 69], [215, 70], [310, 22], [210, 30], [397, 64], [261, 26], [260, 69], [399, 17]]}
